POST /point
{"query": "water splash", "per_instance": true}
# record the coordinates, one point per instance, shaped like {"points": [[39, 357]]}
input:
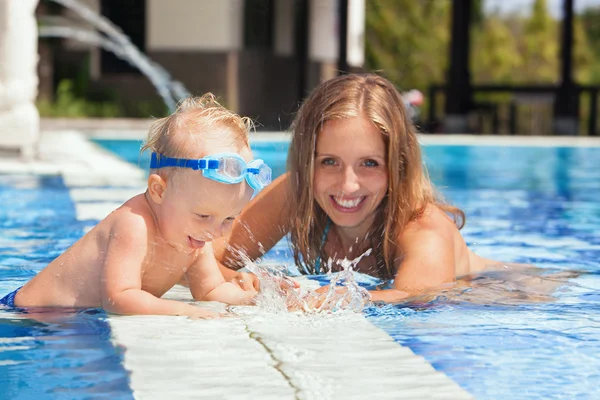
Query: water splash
{"points": [[352, 296], [112, 39], [278, 293]]}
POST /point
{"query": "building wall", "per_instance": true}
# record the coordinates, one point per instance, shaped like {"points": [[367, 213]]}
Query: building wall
{"points": [[201, 44], [192, 25]]}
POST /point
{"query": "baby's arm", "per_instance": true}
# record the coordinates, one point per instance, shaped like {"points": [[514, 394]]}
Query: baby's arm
{"points": [[207, 282], [122, 275]]}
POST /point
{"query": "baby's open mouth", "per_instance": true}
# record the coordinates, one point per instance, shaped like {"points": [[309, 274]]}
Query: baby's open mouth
{"points": [[195, 244]]}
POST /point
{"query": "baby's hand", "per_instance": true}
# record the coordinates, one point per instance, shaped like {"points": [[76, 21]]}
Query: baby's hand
{"points": [[201, 313], [249, 282], [246, 281]]}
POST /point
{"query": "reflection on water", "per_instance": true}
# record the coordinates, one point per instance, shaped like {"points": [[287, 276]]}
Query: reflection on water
{"points": [[512, 285], [69, 354], [518, 333], [48, 353]]}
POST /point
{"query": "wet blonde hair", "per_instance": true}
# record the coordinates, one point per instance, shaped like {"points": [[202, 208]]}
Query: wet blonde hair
{"points": [[195, 120], [409, 188]]}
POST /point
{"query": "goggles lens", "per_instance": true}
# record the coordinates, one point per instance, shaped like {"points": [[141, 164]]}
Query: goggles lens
{"points": [[232, 167], [264, 175]]}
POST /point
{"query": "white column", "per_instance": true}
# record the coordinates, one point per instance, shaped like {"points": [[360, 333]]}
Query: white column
{"points": [[19, 118]]}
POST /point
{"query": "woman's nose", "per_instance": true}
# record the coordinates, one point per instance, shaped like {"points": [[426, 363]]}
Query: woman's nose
{"points": [[350, 182]]}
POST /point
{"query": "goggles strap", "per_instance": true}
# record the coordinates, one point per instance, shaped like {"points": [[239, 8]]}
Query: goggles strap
{"points": [[164, 162]]}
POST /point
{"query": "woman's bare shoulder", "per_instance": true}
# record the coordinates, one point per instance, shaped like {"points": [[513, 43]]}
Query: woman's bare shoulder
{"points": [[431, 220]]}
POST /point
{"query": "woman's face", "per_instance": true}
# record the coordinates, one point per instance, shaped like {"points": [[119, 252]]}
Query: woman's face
{"points": [[351, 175]]}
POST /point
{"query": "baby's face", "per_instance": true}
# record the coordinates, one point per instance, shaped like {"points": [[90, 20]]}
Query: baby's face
{"points": [[197, 210]]}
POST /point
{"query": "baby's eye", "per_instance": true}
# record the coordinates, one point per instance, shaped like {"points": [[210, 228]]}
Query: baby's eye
{"points": [[371, 163], [229, 219], [202, 216], [328, 161]]}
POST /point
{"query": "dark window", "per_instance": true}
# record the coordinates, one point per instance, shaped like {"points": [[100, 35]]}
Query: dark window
{"points": [[258, 23], [130, 16]]}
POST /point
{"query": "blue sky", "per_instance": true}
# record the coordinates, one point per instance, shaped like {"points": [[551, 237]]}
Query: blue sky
{"points": [[524, 6]]}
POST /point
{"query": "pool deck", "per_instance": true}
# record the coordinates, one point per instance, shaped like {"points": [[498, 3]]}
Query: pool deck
{"points": [[251, 355], [138, 128]]}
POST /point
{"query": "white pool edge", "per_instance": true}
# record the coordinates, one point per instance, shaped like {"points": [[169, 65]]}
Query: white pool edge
{"points": [[424, 138]]}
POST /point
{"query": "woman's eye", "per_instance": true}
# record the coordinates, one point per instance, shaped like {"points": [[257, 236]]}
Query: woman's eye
{"points": [[371, 163], [328, 161]]}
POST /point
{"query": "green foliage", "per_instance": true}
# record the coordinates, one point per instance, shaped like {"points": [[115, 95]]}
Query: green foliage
{"points": [[408, 40], [496, 52], [67, 104], [147, 109], [590, 25], [583, 57], [539, 47]]}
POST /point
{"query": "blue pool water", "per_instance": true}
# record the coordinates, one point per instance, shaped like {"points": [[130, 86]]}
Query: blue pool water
{"points": [[70, 356], [523, 204]]}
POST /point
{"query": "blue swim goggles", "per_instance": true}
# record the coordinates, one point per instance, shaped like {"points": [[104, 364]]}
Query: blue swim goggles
{"points": [[223, 167]]}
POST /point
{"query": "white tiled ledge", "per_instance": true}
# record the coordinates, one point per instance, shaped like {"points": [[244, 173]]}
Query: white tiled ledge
{"points": [[272, 356]]}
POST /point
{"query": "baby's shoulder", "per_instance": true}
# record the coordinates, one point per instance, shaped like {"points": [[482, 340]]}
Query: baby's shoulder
{"points": [[133, 217]]}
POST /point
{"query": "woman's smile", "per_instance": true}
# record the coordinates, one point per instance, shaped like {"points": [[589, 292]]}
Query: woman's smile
{"points": [[348, 204]]}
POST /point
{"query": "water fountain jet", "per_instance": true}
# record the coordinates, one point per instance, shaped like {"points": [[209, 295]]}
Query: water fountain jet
{"points": [[111, 38]]}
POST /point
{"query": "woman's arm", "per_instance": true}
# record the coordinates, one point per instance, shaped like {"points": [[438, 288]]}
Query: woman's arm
{"points": [[426, 253], [261, 225], [427, 263]]}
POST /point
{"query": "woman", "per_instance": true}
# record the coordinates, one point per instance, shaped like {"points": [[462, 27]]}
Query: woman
{"points": [[355, 182]]}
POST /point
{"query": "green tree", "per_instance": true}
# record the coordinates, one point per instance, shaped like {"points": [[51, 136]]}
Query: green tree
{"points": [[583, 57], [407, 40], [590, 22], [495, 56], [539, 46]]}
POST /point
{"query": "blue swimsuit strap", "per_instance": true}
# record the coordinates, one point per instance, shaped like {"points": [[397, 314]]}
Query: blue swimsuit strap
{"points": [[323, 238]]}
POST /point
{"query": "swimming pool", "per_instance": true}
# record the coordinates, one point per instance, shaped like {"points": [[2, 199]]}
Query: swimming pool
{"points": [[534, 205], [524, 204]]}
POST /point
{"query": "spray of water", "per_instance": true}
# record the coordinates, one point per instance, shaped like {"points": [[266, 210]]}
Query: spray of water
{"points": [[352, 296], [278, 293], [111, 38]]}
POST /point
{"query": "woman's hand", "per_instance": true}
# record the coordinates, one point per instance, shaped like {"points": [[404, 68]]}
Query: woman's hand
{"points": [[317, 299], [389, 295]]}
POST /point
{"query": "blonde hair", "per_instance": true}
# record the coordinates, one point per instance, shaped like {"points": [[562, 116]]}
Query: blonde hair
{"points": [[409, 188], [196, 116]]}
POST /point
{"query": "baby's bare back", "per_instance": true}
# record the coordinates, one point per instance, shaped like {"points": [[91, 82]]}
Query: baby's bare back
{"points": [[75, 278]]}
